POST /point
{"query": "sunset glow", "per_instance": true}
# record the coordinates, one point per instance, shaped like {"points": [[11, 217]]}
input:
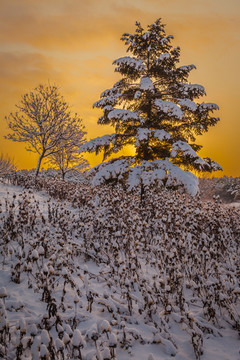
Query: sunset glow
{"points": [[73, 43]]}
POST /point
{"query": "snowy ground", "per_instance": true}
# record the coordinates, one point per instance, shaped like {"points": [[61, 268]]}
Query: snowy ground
{"points": [[123, 282], [234, 204]]}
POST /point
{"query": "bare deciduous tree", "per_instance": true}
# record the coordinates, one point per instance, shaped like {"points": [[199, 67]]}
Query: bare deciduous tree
{"points": [[44, 122], [68, 158]]}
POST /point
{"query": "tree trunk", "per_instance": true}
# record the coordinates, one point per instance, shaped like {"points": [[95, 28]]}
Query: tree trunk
{"points": [[38, 164], [63, 174]]}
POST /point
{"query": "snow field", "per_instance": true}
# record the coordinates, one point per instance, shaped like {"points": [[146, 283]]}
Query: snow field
{"points": [[109, 277]]}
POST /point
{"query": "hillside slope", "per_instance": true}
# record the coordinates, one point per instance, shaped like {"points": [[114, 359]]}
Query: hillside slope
{"points": [[103, 276]]}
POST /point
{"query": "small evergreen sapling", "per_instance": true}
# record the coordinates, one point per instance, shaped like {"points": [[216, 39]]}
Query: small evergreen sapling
{"points": [[154, 109]]}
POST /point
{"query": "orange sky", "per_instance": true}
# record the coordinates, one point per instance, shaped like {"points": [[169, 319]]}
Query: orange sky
{"points": [[72, 43]]}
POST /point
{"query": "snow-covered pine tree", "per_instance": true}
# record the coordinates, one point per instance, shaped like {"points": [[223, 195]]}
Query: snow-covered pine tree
{"points": [[153, 108]]}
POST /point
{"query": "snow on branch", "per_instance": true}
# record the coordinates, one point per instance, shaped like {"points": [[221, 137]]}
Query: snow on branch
{"points": [[146, 83], [169, 108], [214, 166], [208, 107], [162, 57], [108, 97], [162, 172], [192, 90], [124, 115], [161, 135], [130, 62], [179, 177], [98, 142], [166, 39], [186, 68], [202, 164], [187, 104], [183, 147], [114, 169], [145, 133], [146, 35], [157, 172]]}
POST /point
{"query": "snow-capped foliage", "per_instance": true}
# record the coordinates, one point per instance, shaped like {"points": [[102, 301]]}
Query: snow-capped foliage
{"points": [[208, 106], [192, 90], [213, 164], [95, 143], [187, 68], [188, 104], [113, 170], [105, 326], [108, 98], [162, 57], [77, 339], [146, 83], [143, 134], [124, 115], [169, 108], [137, 95], [119, 278], [3, 292], [157, 172], [152, 109], [127, 62], [165, 39], [187, 152], [183, 147], [161, 135]]}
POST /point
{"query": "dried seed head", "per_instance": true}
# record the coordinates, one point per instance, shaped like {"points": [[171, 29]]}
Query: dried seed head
{"points": [[77, 339], [59, 344], [33, 330], [3, 292], [41, 250], [35, 255], [76, 299], [105, 326], [112, 342], [66, 338], [44, 353]]}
